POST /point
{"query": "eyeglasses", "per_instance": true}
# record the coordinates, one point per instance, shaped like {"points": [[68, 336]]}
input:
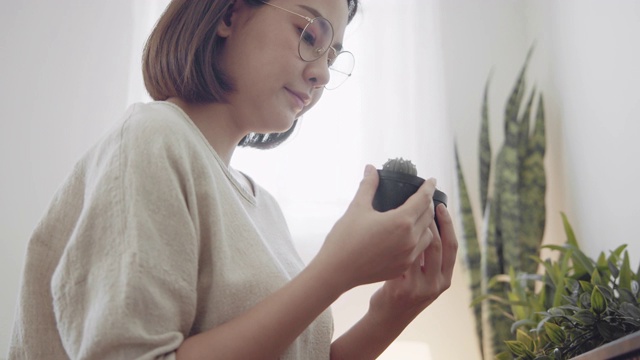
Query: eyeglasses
{"points": [[315, 41]]}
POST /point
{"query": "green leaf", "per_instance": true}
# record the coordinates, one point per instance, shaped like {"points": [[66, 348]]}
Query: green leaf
{"points": [[607, 292], [595, 277], [602, 261], [496, 279], [607, 331], [560, 282], [519, 349], [507, 179], [612, 268], [571, 237], [582, 264], [615, 254], [491, 297], [626, 296], [470, 247], [533, 184], [555, 333], [598, 301], [585, 317], [524, 322], [625, 273], [524, 338], [505, 355], [630, 310], [484, 149], [491, 265], [586, 286], [523, 136], [584, 300]]}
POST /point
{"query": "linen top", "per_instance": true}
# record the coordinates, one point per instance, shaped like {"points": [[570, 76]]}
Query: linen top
{"points": [[151, 240]]}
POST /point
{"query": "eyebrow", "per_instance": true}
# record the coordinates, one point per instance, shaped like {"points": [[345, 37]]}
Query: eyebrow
{"points": [[338, 45]]}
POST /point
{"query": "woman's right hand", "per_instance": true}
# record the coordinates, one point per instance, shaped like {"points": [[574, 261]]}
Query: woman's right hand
{"points": [[367, 246]]}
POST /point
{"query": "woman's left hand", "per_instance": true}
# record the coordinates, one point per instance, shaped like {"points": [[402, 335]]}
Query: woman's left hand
{"points": [[400, 300]]}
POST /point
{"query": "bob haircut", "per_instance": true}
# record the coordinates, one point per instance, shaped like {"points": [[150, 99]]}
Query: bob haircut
{"points": [[178, 62]]}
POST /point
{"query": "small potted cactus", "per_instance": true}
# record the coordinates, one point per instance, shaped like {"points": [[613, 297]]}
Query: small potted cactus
{"points": [[398, 181]]}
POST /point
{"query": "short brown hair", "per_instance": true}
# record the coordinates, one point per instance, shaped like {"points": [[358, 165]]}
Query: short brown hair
{"points": [[180, 57]]}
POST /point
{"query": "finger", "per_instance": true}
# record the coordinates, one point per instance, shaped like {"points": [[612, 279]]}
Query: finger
{"points": [[424, 241], [414, 273], [449, 241], [425, 219], [422, 200], [368, 186], [433, 255]]}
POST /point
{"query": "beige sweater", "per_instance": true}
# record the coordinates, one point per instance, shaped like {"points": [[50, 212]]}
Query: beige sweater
{"points": [[151, 240]]}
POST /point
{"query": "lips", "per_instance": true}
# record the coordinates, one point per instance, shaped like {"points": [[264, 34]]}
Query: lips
{"points": [[301, 99]]}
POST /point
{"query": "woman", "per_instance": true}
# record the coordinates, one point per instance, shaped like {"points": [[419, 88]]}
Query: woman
{"points": [[156, 248]]}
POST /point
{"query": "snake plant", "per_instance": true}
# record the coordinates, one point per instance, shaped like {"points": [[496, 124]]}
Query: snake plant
{"points": [[513, 212]]}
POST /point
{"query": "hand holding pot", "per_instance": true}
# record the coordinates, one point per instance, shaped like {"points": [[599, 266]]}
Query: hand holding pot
{"points": [[367, 246]]}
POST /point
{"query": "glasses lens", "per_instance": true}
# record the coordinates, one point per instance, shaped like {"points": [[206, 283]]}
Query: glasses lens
{"points": [[315, 39], [341, 70]]}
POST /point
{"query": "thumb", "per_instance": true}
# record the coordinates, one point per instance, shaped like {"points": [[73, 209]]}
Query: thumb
{"points": [[368, 186]]}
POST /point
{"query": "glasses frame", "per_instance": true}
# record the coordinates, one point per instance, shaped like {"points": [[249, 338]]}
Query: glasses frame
{"points": [[319, 51]]}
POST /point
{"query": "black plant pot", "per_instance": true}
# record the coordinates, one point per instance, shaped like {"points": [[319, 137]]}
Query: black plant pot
{"points": [[395, 188]]}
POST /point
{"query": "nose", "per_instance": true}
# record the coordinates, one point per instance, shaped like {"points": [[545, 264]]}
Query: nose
{"points": [[317, 72]]}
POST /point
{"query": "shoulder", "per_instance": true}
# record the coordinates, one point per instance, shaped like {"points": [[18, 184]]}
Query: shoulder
{"points": [[159, 131], [156, 122], [152, 141]]}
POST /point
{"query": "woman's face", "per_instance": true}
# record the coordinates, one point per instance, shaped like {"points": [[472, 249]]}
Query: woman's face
{"points": [[273, 85]]}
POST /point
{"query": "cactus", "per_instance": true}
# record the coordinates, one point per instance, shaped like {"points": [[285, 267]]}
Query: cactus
{"points": [[400, 165], [398, 181], [513, 213]]}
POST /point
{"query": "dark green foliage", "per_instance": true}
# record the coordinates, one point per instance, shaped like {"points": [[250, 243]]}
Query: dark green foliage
{"points": [[582, 303]]}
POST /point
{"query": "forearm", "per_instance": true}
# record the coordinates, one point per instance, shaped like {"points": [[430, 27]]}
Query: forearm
{"points": [[368, 338], [265, 331]]}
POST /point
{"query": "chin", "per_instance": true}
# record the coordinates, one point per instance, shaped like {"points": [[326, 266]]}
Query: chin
{"points": [[279, 126], [303, 111]]}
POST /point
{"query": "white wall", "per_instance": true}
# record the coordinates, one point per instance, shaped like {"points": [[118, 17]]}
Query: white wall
{"points": [[595, 66], [52, 108]]}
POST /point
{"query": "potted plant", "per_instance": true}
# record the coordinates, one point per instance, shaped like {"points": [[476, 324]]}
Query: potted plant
{"points": [[578, 304], [398, 181]]}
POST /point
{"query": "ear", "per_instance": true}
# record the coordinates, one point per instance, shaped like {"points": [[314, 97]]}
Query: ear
{"points": [[225, 26]]}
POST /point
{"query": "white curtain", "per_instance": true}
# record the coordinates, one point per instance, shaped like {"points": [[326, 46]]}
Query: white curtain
{"points": [[145, 15]]}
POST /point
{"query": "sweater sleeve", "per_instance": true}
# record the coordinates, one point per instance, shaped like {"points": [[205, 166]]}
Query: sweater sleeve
{"points": [[125, 287]]}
